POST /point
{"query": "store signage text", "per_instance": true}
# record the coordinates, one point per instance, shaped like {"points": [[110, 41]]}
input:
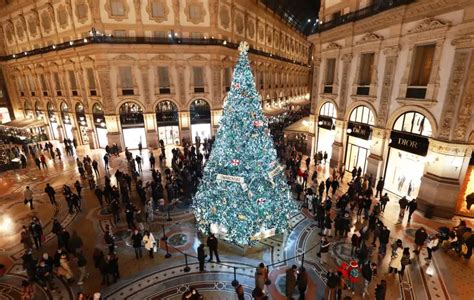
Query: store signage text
{"points": [[325, 122], [361, 131], [409, 143]]}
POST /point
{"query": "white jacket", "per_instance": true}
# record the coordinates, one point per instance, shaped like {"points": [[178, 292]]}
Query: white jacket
{"points": [[149, 241], [432, 243]]}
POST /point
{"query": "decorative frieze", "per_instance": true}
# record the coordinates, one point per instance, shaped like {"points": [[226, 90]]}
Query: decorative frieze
{"points": [[387, 84], [453, 94], [464, 116], [346, 66], [332, 46], [429, 24], [369, 37]]}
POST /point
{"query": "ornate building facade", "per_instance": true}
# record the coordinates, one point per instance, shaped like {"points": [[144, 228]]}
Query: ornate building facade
{"points": [[393, 94], [130, 71]]}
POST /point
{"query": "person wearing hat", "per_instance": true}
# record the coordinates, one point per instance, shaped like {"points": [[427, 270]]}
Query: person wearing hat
{"points": [[353, 272]]}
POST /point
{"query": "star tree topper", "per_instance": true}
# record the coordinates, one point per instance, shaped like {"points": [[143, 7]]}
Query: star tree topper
{"points": [[243, 47]]}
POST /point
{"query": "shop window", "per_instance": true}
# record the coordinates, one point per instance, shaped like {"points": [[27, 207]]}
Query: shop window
{"points": [[328, 109], [365, 73], [126, 80], [329, 77], [57, 82], [413, 122], [362, 114], [117, 8], [72, 82], [20, 87], [91, 81], [421, 70], [198, 79], [32, 85]]}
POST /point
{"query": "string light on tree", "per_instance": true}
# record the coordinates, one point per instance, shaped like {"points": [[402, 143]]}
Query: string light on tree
{"points": [[243, 195]]}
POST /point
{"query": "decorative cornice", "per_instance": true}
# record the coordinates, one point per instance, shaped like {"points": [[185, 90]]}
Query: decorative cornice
{"points": [[346, 57], [369, 37], [197, 57], [124, 57], [391, 51], [429, 24], [463, 40], [162, 57], [332, 46]]}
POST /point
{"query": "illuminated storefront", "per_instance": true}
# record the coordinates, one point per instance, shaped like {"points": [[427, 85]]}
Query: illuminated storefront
{"points": [[407, 154], [326, 125], [465, 204], [359, 132], [53, 122], [167, 120], [133, 125], [67, 122], [200, 119], [100, 126], [82, 123]]}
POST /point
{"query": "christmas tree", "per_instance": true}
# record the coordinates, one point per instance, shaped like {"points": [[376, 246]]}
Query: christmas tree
{"points": [[243, 195]]}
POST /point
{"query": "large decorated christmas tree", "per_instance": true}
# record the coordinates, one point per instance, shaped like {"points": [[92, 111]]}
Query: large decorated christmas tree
{"points": [[243, 195]]}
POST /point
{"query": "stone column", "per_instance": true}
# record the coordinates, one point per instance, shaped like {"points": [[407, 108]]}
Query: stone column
{"points": [[337, 156], [104, 79], [440, 184], [151, 132], [377, 146], [346, 68], [391, 56]]}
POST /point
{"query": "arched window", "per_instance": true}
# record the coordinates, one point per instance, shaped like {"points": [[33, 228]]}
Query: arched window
{"points": [[97, 109], [80, 108], [50, 107], [39, 112], [200, 111], [98, 115], [328, 109], [131, 114], [362, 114], [413, 122], [166, 113]]}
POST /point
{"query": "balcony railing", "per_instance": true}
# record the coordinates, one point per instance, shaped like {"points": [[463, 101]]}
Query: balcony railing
{"points": [[146, 41], [378, 7]]}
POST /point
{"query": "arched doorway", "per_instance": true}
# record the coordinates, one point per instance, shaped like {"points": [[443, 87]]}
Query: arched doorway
{"points": [[168, 122], [200, 111], [407, 152], [67, 122], [133, 125], [326, 125], [82, 122], [99, 124], [53, 121], [359, 131]]}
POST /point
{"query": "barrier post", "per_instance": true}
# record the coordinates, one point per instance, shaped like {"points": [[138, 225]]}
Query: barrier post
{"points": [[187, 268], [164, 237], [168, 254], [235, 282], [169, 217]]}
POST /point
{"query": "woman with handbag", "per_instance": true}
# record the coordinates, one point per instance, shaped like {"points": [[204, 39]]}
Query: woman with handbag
{"points": [[395, 264], [149, 242]]}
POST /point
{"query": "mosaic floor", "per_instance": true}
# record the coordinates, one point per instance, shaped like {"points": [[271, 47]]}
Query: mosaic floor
{"points": [[445, 277]]}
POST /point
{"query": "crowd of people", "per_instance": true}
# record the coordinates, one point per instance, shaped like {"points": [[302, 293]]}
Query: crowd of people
{"points": [[354, 216]]}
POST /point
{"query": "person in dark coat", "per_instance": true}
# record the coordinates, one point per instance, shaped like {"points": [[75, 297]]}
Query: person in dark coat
{"points": [[201, 257], [51, 192], [380, 290], [212, 244], [137, 243], [379, 187], [369, 270], [302, 282], [412, 206], [383, 202], [420, 238], [290, 281], [99, 194]]}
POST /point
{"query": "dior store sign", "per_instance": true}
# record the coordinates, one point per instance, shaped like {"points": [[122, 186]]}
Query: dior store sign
{"points": [[362, 131], [409, 142]]}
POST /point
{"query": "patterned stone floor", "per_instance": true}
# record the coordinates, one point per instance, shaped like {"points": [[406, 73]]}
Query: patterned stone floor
{"points": [[445, 277]]}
